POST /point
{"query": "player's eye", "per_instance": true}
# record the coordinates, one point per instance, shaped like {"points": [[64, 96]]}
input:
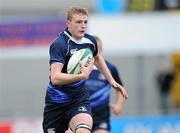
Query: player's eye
{"points": [[85, 22], [78, 22]]}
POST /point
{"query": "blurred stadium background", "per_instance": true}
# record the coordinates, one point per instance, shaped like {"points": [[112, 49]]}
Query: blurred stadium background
{"points": [[142, 37]]}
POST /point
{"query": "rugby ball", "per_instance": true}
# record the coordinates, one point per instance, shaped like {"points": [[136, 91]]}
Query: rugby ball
{"points": [[83, 55]]}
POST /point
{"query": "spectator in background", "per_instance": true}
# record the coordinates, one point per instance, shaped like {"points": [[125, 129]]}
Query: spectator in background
{"points": [[164, 82], [100, 89], [175, 91], [167, 4]]}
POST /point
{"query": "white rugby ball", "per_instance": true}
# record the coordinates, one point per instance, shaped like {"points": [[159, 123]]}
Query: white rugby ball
{"points": [[83, 55]]}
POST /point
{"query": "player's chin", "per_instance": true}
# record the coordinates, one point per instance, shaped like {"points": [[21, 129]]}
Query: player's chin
{"points": [[81, 34]]}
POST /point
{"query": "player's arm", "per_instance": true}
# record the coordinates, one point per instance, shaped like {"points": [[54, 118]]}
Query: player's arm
{"points": [[101, 65], [59, 78], [117, 106], [57, 59]]}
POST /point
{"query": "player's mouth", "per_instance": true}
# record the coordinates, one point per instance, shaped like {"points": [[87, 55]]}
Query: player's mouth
{"points": [[82, 32]]}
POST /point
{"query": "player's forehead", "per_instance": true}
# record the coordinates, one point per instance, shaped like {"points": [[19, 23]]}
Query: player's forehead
{"points": [[79, 17]]}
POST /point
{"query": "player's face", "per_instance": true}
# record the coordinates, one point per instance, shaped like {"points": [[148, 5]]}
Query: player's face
{"points": [[77, 25]]}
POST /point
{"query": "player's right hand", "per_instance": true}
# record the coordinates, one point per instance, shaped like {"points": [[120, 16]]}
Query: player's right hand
{"points": [[85, 71]]}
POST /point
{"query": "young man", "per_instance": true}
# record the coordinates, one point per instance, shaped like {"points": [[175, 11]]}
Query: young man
{"points": [[67, 99], [99, 89]]}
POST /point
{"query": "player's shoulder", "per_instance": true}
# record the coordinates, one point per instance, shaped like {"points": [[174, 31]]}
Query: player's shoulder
{"points": [[90, 37], [60, 40]]}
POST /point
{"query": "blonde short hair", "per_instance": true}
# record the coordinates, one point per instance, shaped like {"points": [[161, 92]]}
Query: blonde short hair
{"points": [[76, 10]]}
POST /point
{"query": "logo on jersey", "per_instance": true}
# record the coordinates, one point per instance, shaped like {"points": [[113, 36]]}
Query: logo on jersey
{"points": [[51, 130], [72, 51], [82, 109], [103, 125]]}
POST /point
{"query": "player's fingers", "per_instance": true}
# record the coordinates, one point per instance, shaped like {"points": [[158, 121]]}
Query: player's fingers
{"points": [[125, 94], [92, 62], [90, 66], [81, 64], [123, 91]]}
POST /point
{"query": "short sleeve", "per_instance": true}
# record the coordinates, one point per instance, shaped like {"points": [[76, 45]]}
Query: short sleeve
{"points": [[57, 52], [95, 46], [115, 73], [96, 50]]}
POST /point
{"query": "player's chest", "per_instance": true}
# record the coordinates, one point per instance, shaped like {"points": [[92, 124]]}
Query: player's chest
{"points": [[72, 48]]}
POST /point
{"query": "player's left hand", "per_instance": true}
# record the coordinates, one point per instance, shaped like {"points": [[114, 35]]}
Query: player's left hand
{"points": [[118, 87], [116, 108]]}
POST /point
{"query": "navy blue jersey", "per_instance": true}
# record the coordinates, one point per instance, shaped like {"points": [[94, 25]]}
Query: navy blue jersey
{"points": [[63, 47], [99, 87]]}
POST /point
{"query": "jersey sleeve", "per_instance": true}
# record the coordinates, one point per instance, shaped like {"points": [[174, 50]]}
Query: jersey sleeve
{"points": [[115, 73], [57, 52], [96, 49]]}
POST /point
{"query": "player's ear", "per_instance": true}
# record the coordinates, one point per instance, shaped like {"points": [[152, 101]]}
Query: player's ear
{"points": [[67, 23]]}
